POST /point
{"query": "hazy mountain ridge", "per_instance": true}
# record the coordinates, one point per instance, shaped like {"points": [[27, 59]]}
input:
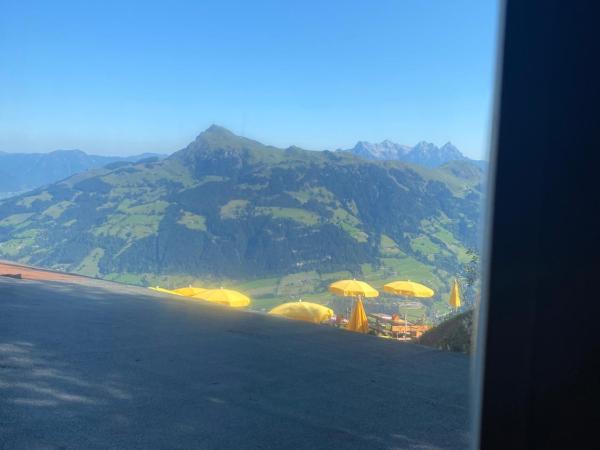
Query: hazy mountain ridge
{"points": [[21, 172], [424, 153], [227, 206]]}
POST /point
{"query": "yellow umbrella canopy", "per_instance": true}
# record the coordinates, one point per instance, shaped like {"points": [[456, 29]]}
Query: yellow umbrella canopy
{"points": [[227, 297], [455, 296], [166, 291], [358, 319], [353, 288], [408, 289], [189, 291], [307, 311]]}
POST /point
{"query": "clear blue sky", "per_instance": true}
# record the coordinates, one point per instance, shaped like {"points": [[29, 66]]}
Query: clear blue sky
{"points": [[123, 77]]}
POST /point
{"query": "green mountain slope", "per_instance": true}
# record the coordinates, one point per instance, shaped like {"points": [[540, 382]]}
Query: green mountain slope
{"points": [[21, 172], [278, 223]]}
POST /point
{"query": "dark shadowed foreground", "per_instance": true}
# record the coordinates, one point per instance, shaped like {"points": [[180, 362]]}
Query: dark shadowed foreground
{"points": [[101, 365]]}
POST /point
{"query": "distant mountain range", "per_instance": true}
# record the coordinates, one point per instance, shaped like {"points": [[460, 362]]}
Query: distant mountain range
{"points": [[227, 207], [424, 153], [20, 172]]}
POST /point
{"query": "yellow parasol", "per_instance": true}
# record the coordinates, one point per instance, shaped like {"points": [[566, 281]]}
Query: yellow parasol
{"points": [[166, 291], [307, 311], [455, 296], [359, 289], [226, 297], [408, 289], [353, 288], [358, 319], [189, 291]]}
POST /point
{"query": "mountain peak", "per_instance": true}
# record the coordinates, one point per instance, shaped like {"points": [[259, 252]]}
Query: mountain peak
{"points": [[216, 134], [217, 139], [381, 151], [217, 129], [451, 151], [449, 146], [423, 153], [424, 144]]}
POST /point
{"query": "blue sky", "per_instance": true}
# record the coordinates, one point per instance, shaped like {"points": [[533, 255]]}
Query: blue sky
{"points": [[126, 77]]}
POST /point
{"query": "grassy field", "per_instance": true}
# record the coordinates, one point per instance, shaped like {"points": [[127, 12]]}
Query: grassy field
{"points": [[89, 266], [193, 221], [303, 216]]}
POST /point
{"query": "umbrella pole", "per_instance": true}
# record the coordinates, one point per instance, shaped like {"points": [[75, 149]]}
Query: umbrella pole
{"points": [[359, 299]]}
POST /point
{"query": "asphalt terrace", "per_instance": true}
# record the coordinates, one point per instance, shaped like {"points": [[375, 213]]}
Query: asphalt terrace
{"points": [[90, 364]]}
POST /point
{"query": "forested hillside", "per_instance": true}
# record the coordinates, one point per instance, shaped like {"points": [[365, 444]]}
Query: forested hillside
{"points": [[226, 207]]}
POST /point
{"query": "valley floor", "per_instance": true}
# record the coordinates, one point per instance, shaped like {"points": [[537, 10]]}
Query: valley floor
{"points": [[103, 365]]}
